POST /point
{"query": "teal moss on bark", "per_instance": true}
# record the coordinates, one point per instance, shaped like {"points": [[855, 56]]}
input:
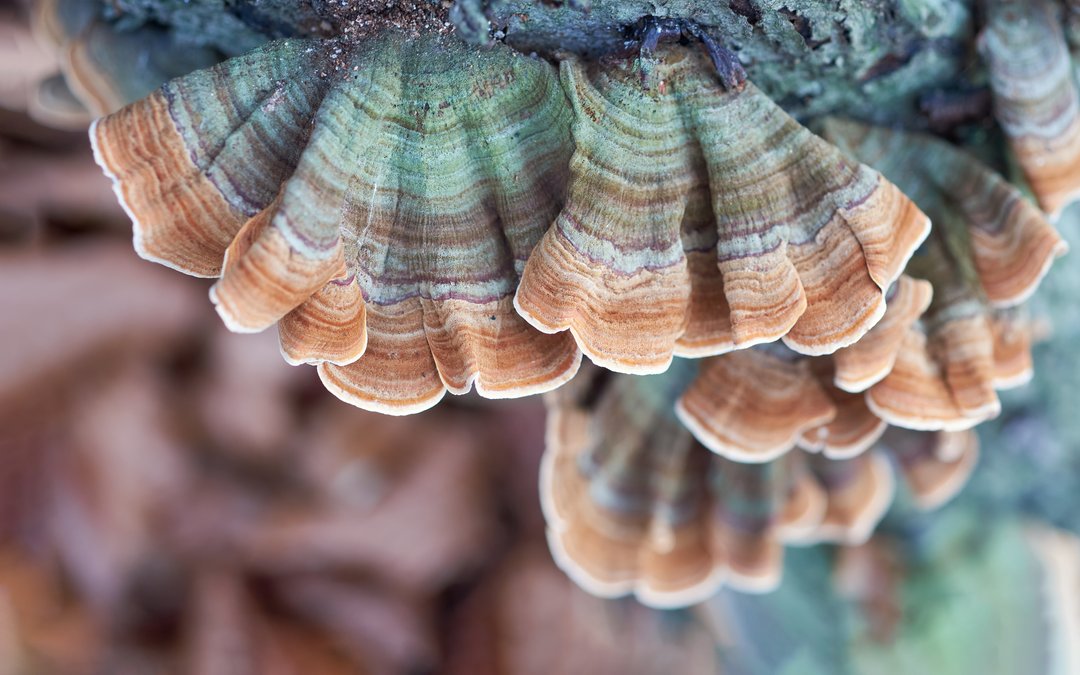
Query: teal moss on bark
{"points": [[864, 58], [867, 58], [232, 26]]}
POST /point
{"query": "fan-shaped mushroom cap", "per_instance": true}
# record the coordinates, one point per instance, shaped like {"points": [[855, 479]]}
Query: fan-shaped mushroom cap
{"points": [[989, 250], [747, 509], [418, 173], [951, 364], [869, 360], [854, 429], [330, 326], [858, 493], [1012, 331], [635, 505], [623, 518], [944, 374], [194, 161], [755, 405], [701, 220], [934, 465], [1035, 96], [752, 405], [1009, 242], [804, 501]]}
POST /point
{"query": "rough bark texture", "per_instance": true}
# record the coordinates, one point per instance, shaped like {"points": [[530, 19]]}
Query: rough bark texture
{"points": [[867, 58]]}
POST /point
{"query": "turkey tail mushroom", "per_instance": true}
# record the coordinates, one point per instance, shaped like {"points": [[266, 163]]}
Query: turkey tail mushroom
{"points": [[804, 500], [869, 360], [442, 233], [701, 220], [623, 517], [858, 493], [752, 405], [989, 251], [935, 465], [944, 375], [382, 212], [952, 363], [1013, 336], [1036, 100], [194, 161], [634, 504], [854, 430], [1009, 242]]}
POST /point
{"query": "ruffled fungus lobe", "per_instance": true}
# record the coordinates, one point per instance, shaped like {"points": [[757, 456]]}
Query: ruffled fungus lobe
{"points": [[853, 430], [635, 505], [418, 173], [858, 492], [194, 161], [1009, 242], [757, 404], [701, 220], [869, 360], [1013, 336], [753, 405], [803, 500], [1035, 96], [989, 251], [935, 465], [944, 377]]}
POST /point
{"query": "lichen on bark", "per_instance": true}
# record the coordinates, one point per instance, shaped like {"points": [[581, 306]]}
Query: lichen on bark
{"points": [[866, 58]]}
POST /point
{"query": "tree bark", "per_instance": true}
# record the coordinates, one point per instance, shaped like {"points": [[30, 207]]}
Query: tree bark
{"points": [[870, 59]]}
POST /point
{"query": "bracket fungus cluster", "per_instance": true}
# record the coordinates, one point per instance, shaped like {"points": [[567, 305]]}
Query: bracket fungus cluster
{"points": [[421, 174], [636, 505], [989, 250], [381, 212], [700, 220], [786, 330]]}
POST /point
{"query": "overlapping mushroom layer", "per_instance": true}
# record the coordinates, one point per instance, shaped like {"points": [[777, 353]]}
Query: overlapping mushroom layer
{"points": [[817, 428], [635, 504], [383, 209], [383, 212], [423, 216], [1036, 99], [988, 252], [701, 220]]}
